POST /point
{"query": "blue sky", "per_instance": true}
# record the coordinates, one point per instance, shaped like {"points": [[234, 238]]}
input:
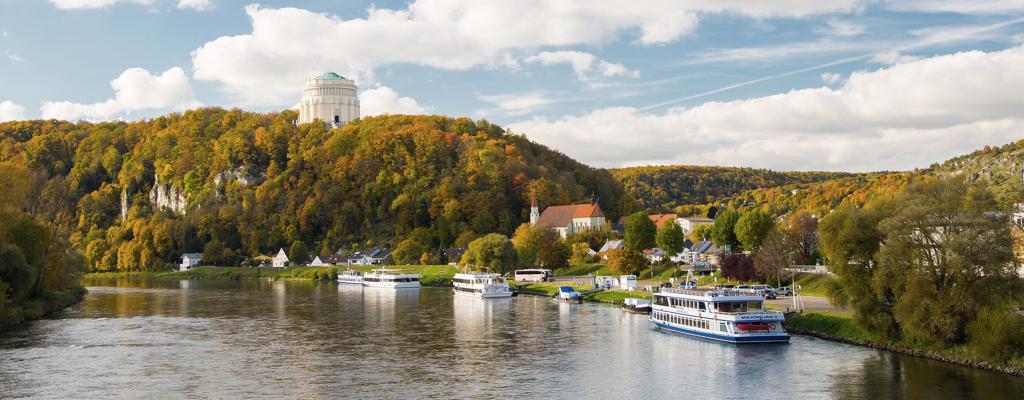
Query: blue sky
{"points": [[796, 85]]}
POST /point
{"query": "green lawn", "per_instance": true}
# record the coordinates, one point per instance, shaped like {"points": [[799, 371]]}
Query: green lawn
{"points": [[616, 296], [837, 324]]}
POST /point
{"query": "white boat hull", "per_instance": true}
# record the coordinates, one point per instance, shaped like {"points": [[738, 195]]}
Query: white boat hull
{"points": [[392, 285], [483, 295]]}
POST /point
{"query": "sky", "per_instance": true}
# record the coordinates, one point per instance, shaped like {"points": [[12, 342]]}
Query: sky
{"points": [[840, 85]]}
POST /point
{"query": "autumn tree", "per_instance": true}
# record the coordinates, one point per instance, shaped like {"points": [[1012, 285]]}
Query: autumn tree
{"points": [[298, 253], [626, 261], [540, 246], [701, 233], [774, 256], [493, 252]]}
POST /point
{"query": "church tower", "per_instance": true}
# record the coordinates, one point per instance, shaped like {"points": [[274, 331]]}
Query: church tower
{"points": [[534, 210], [330, 98]]}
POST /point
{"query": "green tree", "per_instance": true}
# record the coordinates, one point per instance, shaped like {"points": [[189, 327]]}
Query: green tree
{"points": [[931, 258], [670, 238], [700, 233], [408, 252], [493, 252], [752, 227], [640, 232], [723, 232], [213, 252], [15, 271], [298, 254], [581, 254]]}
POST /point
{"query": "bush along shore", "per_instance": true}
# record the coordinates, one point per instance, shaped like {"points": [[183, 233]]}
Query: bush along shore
{"points": [[48, 303], [843, 329]]}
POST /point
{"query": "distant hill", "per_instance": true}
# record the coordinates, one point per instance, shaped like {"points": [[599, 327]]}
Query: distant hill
{"points": [[663, 188], [998, 167], [239, 184]]}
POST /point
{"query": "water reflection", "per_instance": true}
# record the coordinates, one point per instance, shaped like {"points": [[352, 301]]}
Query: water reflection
{"points": [[217, 339]]}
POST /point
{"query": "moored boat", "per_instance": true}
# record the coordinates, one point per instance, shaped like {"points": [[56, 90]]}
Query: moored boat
{"points": [[568, 294], [639, 306], [481, 284], [722, 315], [350, 277], [391, 278]]}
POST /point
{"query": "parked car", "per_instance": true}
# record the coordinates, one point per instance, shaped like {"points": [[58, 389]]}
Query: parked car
{"points": [[784, 291], [768, 294]]}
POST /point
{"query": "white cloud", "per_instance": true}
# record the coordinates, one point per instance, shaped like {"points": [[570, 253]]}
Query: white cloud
{"points": [[136, 89], [198, 5], [384, 100], [89, 4], [831, 78], [899, 117], [287, 45], [893, 57], [14, 57], [959, 6], [586, 66], [515, 104], [11, 111], [842, 28]]}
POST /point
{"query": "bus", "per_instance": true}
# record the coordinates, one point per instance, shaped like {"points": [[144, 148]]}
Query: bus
{"points": [[532, 275]]}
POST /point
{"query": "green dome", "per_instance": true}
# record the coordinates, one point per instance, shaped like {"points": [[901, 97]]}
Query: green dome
{"points": [[330, 75]]}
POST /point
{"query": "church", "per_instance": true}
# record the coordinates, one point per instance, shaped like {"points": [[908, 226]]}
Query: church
{"points": [[568, 219], [331, 98]]}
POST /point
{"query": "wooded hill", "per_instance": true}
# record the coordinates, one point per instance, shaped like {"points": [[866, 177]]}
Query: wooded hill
{"points": [[663, 188], [998, 167], [237, 184]]}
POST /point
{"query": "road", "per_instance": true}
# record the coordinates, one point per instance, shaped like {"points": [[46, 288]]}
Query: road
{"points": [[811, 303]]}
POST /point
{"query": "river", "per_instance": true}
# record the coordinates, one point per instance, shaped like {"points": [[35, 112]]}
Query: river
{"points": [[243, 339]]}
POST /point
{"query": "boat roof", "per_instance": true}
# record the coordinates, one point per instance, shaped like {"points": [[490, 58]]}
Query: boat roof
{"points": [[566, 289], [477, 274], [712, 294]]}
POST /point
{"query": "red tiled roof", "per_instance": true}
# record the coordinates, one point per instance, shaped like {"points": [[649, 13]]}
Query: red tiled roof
{"points": [[661, 219], [563, 215]]}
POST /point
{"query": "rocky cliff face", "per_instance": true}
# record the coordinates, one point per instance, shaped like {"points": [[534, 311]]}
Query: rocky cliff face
{"points": [[167, 197], [239, 175]]}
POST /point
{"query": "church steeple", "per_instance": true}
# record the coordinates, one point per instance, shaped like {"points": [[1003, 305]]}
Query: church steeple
{"points": [[534, 210]]}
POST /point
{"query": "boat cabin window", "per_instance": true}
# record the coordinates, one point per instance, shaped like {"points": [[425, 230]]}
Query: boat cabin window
{"points": [[737, 306], [702, 306], [661, 300]]}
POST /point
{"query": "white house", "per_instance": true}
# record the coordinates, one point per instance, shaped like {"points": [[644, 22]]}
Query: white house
{"points": [[317, 262], [655, 255], [690, 223], [572, 218], [189, 260], [281, 260]]}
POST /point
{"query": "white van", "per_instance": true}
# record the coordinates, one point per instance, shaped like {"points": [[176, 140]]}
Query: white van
{"points": [[627, 282]]}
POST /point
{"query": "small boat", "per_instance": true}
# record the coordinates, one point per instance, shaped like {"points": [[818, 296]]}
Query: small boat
{"points": [[391, 278], [568, 294], [639, 306], [481, 284], [723, 315], [350, 277]]}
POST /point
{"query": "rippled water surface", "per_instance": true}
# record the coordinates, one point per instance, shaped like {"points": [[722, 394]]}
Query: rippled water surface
{"points": [[216, 339]]}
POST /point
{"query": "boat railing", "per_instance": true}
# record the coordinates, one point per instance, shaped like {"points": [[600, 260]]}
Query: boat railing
{"points": [[707, 292], [751, 312]]}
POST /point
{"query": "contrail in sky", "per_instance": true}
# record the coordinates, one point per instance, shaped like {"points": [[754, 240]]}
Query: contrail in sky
{"points": [[937, 38]]}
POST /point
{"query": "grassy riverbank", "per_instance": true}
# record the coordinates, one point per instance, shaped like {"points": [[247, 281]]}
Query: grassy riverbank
{"points": [[431, 275], [38, 307], [841, 328]]}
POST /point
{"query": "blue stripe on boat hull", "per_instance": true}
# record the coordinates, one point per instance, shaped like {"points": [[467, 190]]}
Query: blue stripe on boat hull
{"points": [[723, 338]]}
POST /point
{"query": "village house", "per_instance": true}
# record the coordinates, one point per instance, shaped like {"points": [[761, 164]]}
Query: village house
{"points": [[690, 223], [569, 219], [371, 256], [190, 260], [281, 260], [318, 262]]}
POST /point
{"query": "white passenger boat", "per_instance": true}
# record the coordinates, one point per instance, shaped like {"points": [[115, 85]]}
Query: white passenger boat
{"points": [[391, 278], [481, 284], [718, 314], [350, 277]]}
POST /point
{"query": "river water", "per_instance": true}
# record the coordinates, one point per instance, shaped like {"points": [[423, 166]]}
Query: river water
{"points": [[245, 339]]}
